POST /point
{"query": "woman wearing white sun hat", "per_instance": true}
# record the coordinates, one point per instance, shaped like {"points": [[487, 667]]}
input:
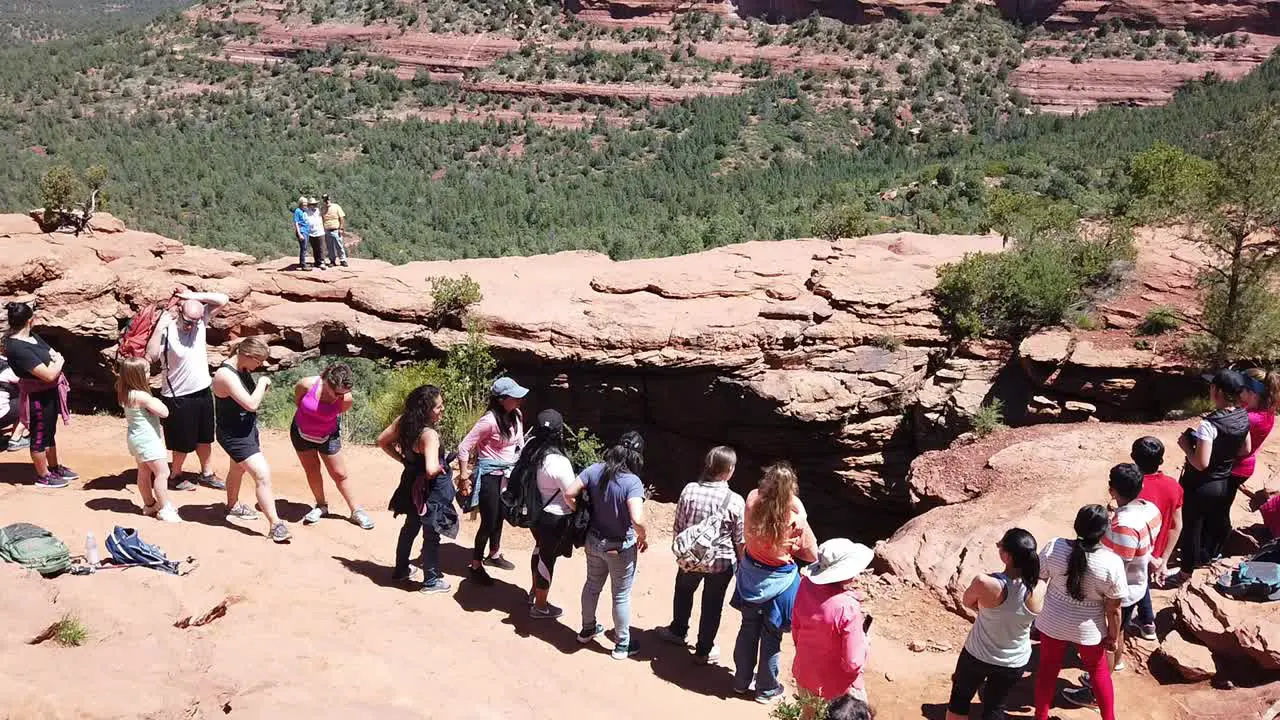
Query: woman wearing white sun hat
{"points": [[828, 625]]}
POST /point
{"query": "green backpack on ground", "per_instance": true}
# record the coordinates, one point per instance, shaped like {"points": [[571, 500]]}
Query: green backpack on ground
{"points": [[34, 548]]}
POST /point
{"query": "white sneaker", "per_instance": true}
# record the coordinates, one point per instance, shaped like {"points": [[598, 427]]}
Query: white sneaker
{"points": [[314, 516], [168, 514]]}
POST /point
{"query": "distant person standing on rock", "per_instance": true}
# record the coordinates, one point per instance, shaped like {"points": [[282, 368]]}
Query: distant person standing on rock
{"points": [[180, 343], [302, 231], [777, 536], [238, 397], [494, 443], [316, 434], [335, 225], [43, 390], [425, 494], [315, 230]]}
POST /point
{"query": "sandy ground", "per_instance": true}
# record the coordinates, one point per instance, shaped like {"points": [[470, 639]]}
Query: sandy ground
{"points": [[314, 628]]}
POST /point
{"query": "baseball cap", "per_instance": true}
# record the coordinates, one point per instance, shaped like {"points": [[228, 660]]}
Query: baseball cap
{"points": [[506, 387], [324, 196], [550, 420], [1227, 380]]}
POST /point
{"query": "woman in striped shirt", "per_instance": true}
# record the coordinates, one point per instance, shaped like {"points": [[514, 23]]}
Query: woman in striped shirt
{"points": [[1081, 608]]}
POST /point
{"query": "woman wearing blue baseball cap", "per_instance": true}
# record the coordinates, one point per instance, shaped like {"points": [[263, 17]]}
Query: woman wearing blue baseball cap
{"points": [[488, 452]]}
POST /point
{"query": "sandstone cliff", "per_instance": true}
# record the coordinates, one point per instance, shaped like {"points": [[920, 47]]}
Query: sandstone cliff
{"points": [[804, 349]]}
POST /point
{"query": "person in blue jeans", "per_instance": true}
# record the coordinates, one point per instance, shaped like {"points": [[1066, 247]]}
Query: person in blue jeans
{"points": [[615, 537], [425, 493], [302, 230]]}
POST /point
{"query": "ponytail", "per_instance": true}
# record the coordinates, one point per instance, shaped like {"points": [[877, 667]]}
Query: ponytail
{"points": [[1091, 524], [626, 455], [1269, 398], [1021, 547]]}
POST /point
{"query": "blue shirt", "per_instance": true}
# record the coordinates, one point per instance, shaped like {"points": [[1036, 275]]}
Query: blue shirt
{"points": [[300, 222], [610, 517]]}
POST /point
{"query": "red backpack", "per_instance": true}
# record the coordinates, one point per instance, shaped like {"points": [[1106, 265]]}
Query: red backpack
{"points": [[136, 335]]}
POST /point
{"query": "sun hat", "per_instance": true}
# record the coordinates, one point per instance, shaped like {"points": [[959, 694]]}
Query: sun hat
{"points": [[839, 559], [551, 420], [303, 199], [506, 387], [1227, 380]]}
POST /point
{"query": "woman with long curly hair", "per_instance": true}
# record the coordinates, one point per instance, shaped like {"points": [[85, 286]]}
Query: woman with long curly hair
{"points": [[777, 535], [425, 493]]}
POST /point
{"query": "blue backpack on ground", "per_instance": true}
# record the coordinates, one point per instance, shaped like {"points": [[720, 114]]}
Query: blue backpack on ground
{"points": [[128, 548], [1257, 578]]}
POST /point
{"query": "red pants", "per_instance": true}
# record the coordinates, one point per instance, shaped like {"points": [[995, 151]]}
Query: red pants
{"points": [[1096, 661]]}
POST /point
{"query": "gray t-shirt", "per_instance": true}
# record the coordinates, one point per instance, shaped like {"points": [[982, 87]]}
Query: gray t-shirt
{"points": [[610, 517]]}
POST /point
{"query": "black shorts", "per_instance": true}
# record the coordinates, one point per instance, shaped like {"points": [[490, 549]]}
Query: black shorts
{"points": [[43, 412], [190, 421], [331, 446], [240, 448]]}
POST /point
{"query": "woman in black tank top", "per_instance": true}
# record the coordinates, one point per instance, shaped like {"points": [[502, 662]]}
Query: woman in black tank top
{"points": [[237, 397]]}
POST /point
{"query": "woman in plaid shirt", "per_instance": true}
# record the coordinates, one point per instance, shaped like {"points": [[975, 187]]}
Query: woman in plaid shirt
{"points": [[698, 501]]}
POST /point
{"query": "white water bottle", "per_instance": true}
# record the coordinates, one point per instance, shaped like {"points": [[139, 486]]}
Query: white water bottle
{"points": [[91, 550]]}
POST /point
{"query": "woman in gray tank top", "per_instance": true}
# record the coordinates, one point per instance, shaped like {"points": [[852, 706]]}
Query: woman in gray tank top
{"points": [[999, 645]]}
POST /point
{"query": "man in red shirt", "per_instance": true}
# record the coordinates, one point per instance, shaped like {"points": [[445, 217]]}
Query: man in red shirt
{"points": [[1165, 493]]}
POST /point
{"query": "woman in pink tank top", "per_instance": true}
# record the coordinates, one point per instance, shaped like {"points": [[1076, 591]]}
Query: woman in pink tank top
{"points": [[316, 433]]}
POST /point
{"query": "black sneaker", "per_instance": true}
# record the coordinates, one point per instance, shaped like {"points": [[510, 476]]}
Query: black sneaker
{"points": [[586, 636], [211, 481], [478, 575], [499, 562]]}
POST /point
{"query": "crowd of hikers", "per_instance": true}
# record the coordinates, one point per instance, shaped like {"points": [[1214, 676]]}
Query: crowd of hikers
{"points": [[1084, 590]]}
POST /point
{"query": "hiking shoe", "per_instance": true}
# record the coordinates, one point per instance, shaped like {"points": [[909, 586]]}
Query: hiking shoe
{"points": [[64, 472], [1148, 632], [413, 574], [304, 268], [550, 612], [184, 484], [19, 444], [480, 576], [665, 633], [361, 518], [51, 481], [279, 532], [343, 263], [768, 696], [622, 651], [435, 586], [211, 481], [710, 658], [313, 516], [1079, 697], [499, 562], [168, 514], [587, 635], [242, 512]]}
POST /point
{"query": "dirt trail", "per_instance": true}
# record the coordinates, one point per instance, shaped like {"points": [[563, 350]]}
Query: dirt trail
{"points": [[313, 628]]}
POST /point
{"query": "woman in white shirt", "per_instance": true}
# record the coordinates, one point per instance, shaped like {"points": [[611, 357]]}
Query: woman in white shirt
{"points": [[1081, 608], [545, 450]]}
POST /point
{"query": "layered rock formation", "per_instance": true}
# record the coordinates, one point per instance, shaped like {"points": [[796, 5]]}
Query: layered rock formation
{"points": [[805, 349]]}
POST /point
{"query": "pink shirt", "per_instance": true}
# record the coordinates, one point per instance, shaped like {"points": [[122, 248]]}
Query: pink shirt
{"points": [[1260, 424], [831, 648], [485, 441], [800, 539]]}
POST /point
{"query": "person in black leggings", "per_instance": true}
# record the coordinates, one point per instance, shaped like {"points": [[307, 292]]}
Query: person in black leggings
{"points": [[490, 450], [1211, 449]]}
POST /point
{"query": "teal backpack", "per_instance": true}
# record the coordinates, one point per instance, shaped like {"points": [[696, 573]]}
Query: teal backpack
{"points": [[34, 548]]}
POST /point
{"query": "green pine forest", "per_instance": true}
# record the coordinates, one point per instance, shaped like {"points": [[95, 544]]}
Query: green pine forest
{"points": [[221, 167]]}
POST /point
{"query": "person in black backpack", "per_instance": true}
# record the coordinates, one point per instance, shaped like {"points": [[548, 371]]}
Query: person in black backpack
{"points": [[555, 477], [701, 502]]}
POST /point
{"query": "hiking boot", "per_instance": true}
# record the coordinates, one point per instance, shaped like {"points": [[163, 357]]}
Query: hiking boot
{"points": [[279, 533], [711, 658], [550, 612], [64, 472], [361, 518], [499, 562], [479, 576], [211, 481], [435, 586], [622, 651], [313, 516], [1079, 697], [184, 484], [768, 696], [587, 635], [242, 512], [665, 633], [168, 514], [51, 481], [16, 444]]}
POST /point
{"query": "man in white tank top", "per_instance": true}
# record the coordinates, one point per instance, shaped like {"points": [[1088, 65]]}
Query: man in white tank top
{"points": [[181, 345]]}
